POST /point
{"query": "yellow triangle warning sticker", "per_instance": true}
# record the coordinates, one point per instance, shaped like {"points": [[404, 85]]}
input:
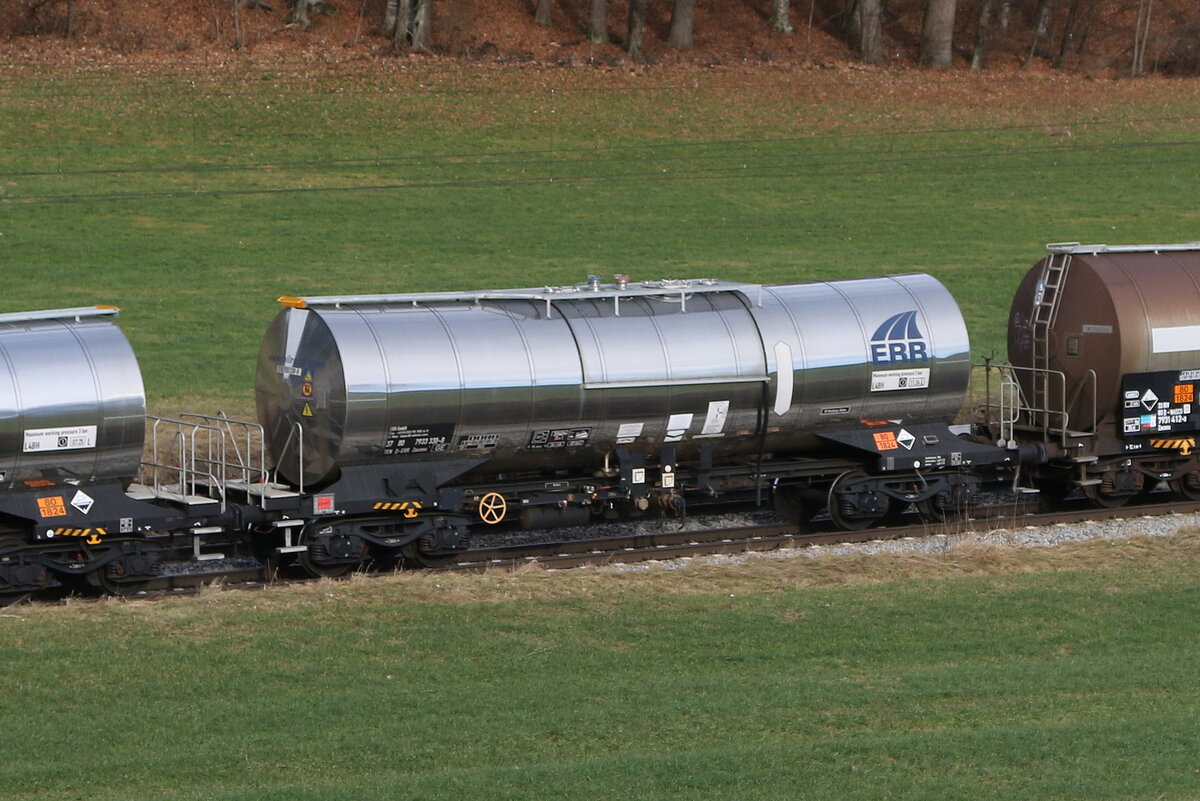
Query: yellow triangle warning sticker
{"points": [[308, 376], [307, 411]]}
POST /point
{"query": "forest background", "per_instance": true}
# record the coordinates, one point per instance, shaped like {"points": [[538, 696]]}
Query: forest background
{"points": [[1101, 38]]}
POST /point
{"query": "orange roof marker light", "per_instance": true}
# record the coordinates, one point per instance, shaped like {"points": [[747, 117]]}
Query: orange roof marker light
{"points": [[294, 303]]}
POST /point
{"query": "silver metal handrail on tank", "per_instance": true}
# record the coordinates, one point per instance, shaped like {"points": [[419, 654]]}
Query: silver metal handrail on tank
{"points": [[211, 455], [194, 462], [1076, 248], [1013, 409], [76, 314], [674, 290], [297, 433], [243, 441]]}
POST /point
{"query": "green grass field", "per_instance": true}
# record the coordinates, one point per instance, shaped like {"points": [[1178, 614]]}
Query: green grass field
{"points": [[980, 674], [194, 200]]}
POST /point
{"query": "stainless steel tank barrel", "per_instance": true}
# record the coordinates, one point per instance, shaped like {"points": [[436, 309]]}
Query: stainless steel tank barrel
{"points": [[558, 377], [72, 404]]}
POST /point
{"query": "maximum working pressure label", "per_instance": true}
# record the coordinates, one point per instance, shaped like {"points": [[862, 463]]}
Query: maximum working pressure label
{"points": [[59, 439]]}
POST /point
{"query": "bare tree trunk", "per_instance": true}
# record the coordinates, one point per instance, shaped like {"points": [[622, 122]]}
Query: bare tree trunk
{"points": [[420, 31], [1041, 17], [637, 29], [870, 27], [979, 56], [1068, 34], [403, 29], [1087, 28], [683, 22], [1041, 24], [779, 17], [853, 25], [298, 16], [70, 19], [237, 25], [937, 34], [389, 17], [865, 29], [598, 22], [1005, 14], [812, 10], [542, 14], [1141, 36]]}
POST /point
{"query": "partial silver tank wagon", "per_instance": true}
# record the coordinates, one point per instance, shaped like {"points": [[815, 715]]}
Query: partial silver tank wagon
{"points": [[72, 404]]}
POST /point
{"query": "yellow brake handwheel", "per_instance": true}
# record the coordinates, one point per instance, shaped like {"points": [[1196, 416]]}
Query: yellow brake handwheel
{"points": [[492, 508]]}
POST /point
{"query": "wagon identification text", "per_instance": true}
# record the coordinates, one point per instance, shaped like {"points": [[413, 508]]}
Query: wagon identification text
{"points": [[433, 438], [546, 438]]}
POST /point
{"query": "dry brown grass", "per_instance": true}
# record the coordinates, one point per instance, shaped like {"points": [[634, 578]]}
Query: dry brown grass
{"points": [[759, 574]]}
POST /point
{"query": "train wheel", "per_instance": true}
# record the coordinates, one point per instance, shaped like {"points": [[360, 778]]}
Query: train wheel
{"points": [[1187, 486], [322, 570], [415, 556], [331, 555], [1100, 497], [130, 573], [856, 511], [943, 508], [111, 585]]}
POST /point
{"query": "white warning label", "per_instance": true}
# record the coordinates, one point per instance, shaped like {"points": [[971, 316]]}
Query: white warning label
{"points": [[714, 421], [59, 439], [885, 380]]}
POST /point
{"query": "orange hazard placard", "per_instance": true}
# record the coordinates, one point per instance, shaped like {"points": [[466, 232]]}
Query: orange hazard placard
{"points": [[52, 506], [1185, 393], [885, 441]]}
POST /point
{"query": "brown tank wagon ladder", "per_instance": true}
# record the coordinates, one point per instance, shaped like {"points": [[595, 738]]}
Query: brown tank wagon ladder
{"points": [[1045, 310]]}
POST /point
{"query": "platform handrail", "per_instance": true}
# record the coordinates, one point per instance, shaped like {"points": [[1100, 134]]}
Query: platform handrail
{"points": [[199, 465], [296, 434], [1011, 408]]}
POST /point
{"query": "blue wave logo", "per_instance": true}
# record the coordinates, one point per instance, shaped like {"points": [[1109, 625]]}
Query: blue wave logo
{"points": [[899, 340]]}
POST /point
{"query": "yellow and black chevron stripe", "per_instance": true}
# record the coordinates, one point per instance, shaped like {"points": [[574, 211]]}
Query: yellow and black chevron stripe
{"points": [[91, 535], [1185, 445], [410, 508]]}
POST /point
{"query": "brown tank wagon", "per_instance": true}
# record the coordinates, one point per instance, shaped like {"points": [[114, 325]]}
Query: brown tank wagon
{"points": [[1104, 345]]}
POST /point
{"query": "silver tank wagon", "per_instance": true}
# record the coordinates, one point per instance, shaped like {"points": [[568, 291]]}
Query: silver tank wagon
{"points": [[558, 377], [72, 404]]}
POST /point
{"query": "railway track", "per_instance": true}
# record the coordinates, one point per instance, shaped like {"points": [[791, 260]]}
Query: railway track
{"points": [[664, 545], [673, 545]]}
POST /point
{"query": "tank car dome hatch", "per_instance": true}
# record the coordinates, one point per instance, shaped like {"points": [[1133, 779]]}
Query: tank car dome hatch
{"points": [[72, 403], [559, 377], [1111, 310]]}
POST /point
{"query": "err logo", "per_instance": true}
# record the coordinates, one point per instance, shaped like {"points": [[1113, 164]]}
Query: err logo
{"points": [[899, 340]]}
